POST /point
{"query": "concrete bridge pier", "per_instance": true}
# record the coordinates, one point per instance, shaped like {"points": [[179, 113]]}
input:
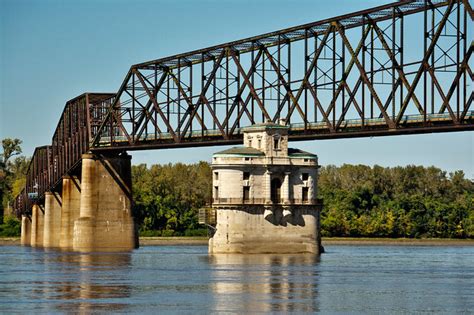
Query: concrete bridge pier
{"points": [[106, 222], [37, 226], [71, 202], [52, 219], [25, 230]]}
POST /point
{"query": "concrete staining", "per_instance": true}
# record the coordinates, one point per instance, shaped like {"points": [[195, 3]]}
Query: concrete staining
{"points": [[37, 226], [25, 230], [264, 195], [52, 219], [92, 212], [105, 222], [71, 201]]}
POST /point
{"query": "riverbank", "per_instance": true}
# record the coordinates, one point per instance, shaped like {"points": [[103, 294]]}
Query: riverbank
{"points": [[187, 241]]}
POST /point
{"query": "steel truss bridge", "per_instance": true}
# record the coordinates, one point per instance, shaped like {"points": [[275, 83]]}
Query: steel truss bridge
{"points": [[401, 68]]}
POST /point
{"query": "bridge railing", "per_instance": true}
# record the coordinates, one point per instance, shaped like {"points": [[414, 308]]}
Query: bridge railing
{"points": [[263, 201], [322, 128]]}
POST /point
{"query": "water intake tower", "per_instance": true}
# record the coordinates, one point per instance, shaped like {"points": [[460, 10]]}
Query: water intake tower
{"points": [[264, 196]]}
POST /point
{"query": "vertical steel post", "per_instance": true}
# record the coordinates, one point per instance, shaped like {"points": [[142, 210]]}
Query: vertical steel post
{"points": [[371, 71], [364, 48], [279, 71], [179, 98], [393, 61], [334, 76], [203, 77], [425, 45], [458, 56], [305, 71], [227, 90]]}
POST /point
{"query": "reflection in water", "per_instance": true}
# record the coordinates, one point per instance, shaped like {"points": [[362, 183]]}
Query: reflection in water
{"points": [[86, 282], [184, 279], [264, 283]]}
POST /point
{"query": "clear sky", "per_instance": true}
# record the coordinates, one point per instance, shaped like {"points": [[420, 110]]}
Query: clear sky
{"points": [[52, 51]]}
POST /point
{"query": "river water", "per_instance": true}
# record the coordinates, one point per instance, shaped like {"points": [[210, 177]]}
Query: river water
{"points": [[184, 279]]}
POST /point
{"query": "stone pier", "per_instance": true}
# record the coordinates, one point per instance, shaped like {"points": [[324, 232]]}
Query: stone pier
{"points": [[37, 226], [52, 219], [25, 230], [71, 202], [245, 230], [105, 222]]}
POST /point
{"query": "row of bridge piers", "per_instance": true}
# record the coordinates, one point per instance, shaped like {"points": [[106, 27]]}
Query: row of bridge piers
{"points": [[91, 211]]}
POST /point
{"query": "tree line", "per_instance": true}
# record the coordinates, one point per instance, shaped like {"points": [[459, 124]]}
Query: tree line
{"points": [[13, 168], [411, 201], [359, 201]]}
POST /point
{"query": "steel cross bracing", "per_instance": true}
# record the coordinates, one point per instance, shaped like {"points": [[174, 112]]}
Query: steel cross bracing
{"points": [[355, 75], [78, 124], [394, 69]]}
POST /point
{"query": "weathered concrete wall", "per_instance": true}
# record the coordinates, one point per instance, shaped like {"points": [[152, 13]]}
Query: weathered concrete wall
{"points": [[245, 230], [71, 201], [37, 226], [52, 219], [105, 222], [25, 231]]}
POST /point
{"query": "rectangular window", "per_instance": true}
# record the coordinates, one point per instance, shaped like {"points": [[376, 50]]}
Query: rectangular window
{"points": [[247, 159], [305, 194], [216, 192], [276, 143], [246, 193], [216, 176], [259, 143], [305, 176], [246, 175]]}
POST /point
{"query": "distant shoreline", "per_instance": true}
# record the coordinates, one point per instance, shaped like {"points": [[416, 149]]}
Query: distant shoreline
{"points": [[327, 241]]}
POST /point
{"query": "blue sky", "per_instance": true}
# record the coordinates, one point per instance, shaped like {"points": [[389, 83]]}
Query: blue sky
{"points": [[52, 51]]}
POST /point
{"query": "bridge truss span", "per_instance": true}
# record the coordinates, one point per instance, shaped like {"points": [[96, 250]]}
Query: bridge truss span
{"points": [[400, 68], [394, 69]]}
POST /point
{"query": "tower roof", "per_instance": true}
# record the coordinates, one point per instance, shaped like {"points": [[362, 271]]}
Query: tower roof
{"points": [[241, 151]]}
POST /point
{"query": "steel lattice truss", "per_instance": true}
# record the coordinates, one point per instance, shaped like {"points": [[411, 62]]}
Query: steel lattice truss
{"points": [[353, 75]]}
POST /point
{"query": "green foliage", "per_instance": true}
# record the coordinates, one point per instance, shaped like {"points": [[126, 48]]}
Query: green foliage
{"points": [[11, 227], [167, 198], [412, 201], [12, 172]]}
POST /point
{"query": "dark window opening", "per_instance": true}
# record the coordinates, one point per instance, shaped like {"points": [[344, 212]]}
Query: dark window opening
{"points": [[305, 194], [276, 190], [247, 159], [216, 192], [216, 175], [246, 193], [246, 175], [305, 176], [276, 143]]}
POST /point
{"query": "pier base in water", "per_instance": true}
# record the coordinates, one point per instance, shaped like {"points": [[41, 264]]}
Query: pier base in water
{"points": [[245, 230], [105, 222]]}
